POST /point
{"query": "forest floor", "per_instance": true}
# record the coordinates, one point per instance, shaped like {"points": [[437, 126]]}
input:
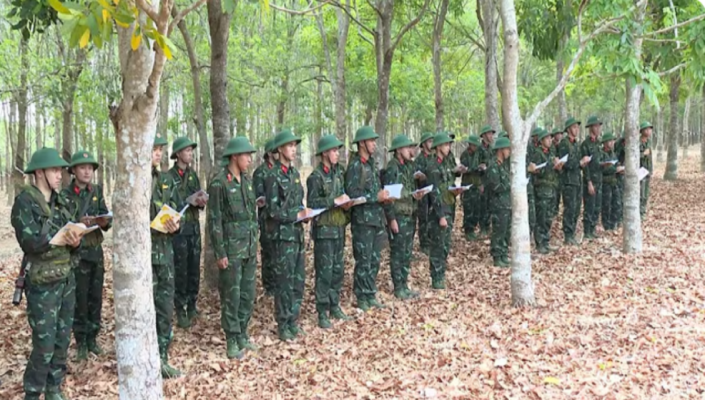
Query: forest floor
{"points": [[607, 326]]}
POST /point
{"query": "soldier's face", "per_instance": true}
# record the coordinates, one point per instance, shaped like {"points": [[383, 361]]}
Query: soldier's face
{"points": [[444, 149], [52, 177], [610, 144], [371, 145], [243, 161], [83, 173], [405, 153], [488, 137], [472, 148], [274, 156], [573, 130], [557, 138], [506, 152], [333, 156], [186, 155], [646, 132], [595, 130], [288, 152], [546, 142], [427, 145], [157, 155]]}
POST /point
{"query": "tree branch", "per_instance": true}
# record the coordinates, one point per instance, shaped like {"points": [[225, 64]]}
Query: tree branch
{"points": [[178, 17], [360, 24], [302, 12], [676, 26], [672, 70], [149, 10], [408, 26], [379, 13]]}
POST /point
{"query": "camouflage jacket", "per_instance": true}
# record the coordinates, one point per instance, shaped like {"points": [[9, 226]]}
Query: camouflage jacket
{"points": [[259, 177], [546, 177], [232, 216], [592, 172], [420, 163], [486, 157], [398, 172], [162, 249], [570, 174], [499, 185], [35, 222], [284, 199], [609, 171], [442, 200], [361, 180], [472, 162], [184, 184], [89, 202], [646, 161], [323, 186]]}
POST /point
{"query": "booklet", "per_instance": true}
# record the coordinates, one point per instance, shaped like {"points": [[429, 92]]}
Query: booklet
{"points": [[610, 162], [394, 190], [540, 165], [620, 168], [424, 190], [308, 213], [355, 202], [461, 188], [77, 228], [108, 215], [563, 159], [260, 200], [460, 169], [642, 173], [199, 195], [419, 175], [164, 214]]}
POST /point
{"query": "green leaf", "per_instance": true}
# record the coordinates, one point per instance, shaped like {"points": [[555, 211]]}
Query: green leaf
{"points": [[60, 8], [229, 6]]}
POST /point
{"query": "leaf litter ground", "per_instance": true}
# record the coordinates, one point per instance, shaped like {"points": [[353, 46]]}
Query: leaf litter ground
{"points": [[607, 326]]}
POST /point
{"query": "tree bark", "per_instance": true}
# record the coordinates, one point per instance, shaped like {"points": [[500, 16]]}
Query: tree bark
{"points": [[19, 163], [489, 23], [702, 132], [101, 154], [671, 173], [660, 137], [37, 125], [340, 106], [436, 59], [73, 60], [163, 124], [632, 234], [521, 284], [685, 128]]}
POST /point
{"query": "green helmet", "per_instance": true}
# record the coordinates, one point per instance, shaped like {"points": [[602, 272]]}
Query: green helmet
{"points": [[450, 134], [543, 134], [502, 134], [285, 137], [556, 131], [44, 158], [328, 142], [159, 140], [424, 137], [537, 131], [365, 133], [238, 145], [440, 139], [501, 143], [607, 137], [486, 129], [570, 122], [83, 157], [400, 141], [644, 125], [472, 139], [180, 144], [268, 146], [593, 120]]}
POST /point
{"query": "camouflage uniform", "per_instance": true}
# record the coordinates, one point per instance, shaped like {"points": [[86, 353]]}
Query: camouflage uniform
{"points": [[545, 185], [471, 197], [265, 240], [422, 212], [619, 193], [570, 184], [531, 149], [487, 158], [90, 271], [50, 285], [187, 243], [232, 216], [609, 187], [645, 161], [499, 188], [284, 199], [592, 172]]}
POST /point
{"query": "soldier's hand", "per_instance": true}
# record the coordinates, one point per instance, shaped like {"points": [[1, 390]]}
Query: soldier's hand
{"points": [[457, 191], [482, 189], [417, 195], [591, 189], [383, 196], [482, 166], [531, 168], [72, 239], [260, 201], [584, 161], [340, 200], [394, 226], [222, 263], [102, 222], [87, 221], [647, 152], [201, 202], [172, 225], [443, 222]]}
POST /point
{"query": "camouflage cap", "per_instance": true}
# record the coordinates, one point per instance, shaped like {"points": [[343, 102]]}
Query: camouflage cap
{"points": [[285, 137], [570, 122], [644, 125], [607, 137], [486, 129], [425, 136], [473, 139], [501, 143], [593, 120], [440, 139], [238, 145], [44, 158], [365, 133], [400, 141], [160, 140], [82, 157], [180, 144], [328, 142]]}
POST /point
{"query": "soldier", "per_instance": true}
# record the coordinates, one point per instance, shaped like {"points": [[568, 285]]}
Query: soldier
{"points": [[367, 219], [163, 258], [265, 240], [401, 218], [645, 161], [284, 200], [37, 215], [557, 135], [532, 147], [620, 146], [89, 272], [187, 243], [442, 208], [424, 157], [592, 177], [545, 182], [570, 179], [326, 189], [471, 198], [499, 188], [232, 219], [486, 157], [609, 183]]}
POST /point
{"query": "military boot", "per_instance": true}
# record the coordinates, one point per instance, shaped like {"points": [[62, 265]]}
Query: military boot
{"points": [[363, 305], [543, 250], [483, 233], [323, 321], [243, 342], [167, 370], [470, 236], [54, 394], [296, 330], [82, 353], [93, 346], [401, 294], [192, 312], [284, 334], [412, 294], [182, 319], [233, 350], [31, 396], [499, 262], [438, 284], [337, 313], [376, 304], [505, 260]]}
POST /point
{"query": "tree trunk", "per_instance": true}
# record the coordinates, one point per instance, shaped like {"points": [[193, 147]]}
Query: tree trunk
{"points": [[659, 135], [702, 133], [521, 284], [489, 21], [101, 154], [37, 126], [18, 177], [74, 59], [671, 173], [163, 124], [436, 59], [343, 26], [219, 28], [685, 128], [632, 234]]}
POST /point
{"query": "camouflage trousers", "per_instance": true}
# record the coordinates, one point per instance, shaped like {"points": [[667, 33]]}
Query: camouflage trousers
{"points": [[290, 276], [593, 205], [485, 211], [422, 215], [609, 207], [501, 229], [545, 201], [400, 249], [330, 270], [89, 299], [644, 195], [571, 210], [266, 248], [531, 195], [367, 250], [618, 202], [440, 249], [236, 287], [187, 270], [471, 209], [50, 309], [557, 202], [163, 292]]}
